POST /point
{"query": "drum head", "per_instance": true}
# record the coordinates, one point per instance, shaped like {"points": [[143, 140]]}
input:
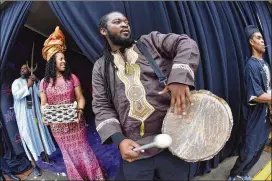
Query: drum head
{"points": [[203, 132]]}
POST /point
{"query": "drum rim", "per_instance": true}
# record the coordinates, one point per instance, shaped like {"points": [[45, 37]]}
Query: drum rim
{"points": [[229, 113]]}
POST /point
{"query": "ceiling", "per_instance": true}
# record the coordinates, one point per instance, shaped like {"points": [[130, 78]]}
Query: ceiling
{"points": [[42, 20]]}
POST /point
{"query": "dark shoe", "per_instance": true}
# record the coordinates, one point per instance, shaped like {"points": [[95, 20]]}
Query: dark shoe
{"points": [[51, 162], [36, 171], [14, 177], [231, 178], [245, 178]]}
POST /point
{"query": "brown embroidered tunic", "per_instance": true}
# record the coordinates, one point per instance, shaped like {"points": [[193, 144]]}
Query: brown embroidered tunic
{"points": [[138, 110]]}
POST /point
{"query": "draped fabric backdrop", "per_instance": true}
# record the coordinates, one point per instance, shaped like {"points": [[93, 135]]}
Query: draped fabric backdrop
{"points": [[217, 27], [11, 19]]}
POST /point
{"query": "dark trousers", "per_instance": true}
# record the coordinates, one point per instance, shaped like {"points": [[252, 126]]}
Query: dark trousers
{"points": [[4, 166], [245, 162], [163, 166]]}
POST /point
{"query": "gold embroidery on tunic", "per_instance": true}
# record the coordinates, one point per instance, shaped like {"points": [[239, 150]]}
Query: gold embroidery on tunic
{"points": [[140, 108]]}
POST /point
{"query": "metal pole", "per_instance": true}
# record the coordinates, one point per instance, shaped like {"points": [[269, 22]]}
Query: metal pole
{"points": [[33, 102]]}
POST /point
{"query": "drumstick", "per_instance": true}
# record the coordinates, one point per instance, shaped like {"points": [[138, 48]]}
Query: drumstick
{"points": [[160, 141]]}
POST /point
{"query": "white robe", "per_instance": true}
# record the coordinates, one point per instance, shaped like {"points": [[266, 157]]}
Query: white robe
{"points": [[26, 120]]}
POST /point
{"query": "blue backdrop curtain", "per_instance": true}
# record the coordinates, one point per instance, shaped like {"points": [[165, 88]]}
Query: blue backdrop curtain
{"points": [[217, 27], [265, 14], [11, 19]]}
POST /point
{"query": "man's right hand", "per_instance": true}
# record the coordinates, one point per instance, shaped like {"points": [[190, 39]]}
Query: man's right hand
{"points": [[126, 148], [30, 83]]}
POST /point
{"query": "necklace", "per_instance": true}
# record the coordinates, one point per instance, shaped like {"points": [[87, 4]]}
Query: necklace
{"points": [[59, 75]]}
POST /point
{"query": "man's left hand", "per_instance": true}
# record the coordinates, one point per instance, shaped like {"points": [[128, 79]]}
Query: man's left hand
{"points": [[179, 94]]}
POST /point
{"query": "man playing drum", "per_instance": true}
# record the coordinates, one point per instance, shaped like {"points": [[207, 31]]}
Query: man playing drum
{"points": [[258, 95], [130, 104]]}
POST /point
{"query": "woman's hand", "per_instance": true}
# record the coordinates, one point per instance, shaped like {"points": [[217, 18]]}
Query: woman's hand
{"points": [[80, 102], [44, 122], [79, 114], [42, 108]]}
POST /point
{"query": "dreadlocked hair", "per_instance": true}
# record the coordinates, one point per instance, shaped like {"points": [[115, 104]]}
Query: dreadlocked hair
{"points": [[51, 71], [109, 61]]}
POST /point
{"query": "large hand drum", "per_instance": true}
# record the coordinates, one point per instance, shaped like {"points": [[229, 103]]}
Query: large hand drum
{"points": [[203, 132]]}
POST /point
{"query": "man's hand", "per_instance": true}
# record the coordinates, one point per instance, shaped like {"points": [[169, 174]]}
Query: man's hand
{"points": [[126, 147], [30, 82], [179, 94], [33, 78]]}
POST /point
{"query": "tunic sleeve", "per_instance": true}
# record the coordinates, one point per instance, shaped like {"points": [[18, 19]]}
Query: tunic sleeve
{"points": [[182, 50], [19, 92], [106, 118], [253, 84]]}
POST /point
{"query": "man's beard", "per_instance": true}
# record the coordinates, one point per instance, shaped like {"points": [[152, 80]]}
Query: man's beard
{"points": [[25, 76], [123, 42]]}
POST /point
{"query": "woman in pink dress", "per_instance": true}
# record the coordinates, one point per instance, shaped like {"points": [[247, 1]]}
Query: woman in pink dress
{"points": [[61, 87]]}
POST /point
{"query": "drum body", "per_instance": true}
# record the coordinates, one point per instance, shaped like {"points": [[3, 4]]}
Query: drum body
{"points": [[204, 131]]}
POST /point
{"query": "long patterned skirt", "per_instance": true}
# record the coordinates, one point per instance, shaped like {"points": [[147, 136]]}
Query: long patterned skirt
{"points": [[80, 161]]}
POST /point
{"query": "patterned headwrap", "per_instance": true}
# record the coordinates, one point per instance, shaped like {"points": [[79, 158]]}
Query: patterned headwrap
{"points": [[55, 43]]}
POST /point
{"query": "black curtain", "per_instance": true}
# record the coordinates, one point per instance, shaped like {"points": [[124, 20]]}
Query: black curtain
{"points": [[81, 19], [265, 13], [217, 27], [11, 18]]}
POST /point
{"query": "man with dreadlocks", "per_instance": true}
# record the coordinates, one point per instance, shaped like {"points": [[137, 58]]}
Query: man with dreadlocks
{"points": [[129, 102], [255, 109]]}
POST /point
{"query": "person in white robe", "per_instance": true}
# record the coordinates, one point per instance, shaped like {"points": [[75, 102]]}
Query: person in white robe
{"points": [[24, 111]]}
